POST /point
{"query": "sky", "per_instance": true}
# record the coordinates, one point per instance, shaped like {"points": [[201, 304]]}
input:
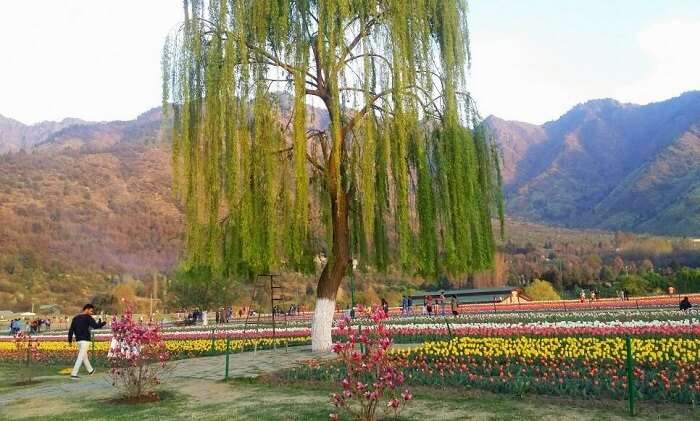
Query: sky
{"points": [[532, 60]]}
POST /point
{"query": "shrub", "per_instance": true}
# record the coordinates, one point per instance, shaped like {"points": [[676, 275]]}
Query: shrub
{"points": [[371, 377], [137, 357], [541, 291]]}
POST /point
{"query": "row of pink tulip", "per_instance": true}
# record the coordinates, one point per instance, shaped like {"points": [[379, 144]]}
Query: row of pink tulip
{"points": [[443, 329]]}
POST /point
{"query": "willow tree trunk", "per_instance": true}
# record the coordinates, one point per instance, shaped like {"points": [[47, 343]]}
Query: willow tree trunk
{"points": [[331, 277], [336, 268]]}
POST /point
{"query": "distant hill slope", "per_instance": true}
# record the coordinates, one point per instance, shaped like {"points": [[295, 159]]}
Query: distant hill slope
{"points": [[607, 165], [15, 135], [97, 194]]}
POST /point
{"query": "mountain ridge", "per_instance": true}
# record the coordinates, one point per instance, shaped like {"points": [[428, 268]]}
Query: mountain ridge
{"points": [[571, 171]]}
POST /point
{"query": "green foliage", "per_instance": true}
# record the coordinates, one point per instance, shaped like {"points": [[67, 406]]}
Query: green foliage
{"points": [[403, 144], [687, 280], [540, 290], [634, 284], [606, 274], [199, 286], [657, 282]]}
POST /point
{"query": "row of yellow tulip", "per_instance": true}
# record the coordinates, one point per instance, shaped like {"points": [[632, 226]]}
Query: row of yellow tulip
{"points": [[177, 346], [685, 349]]}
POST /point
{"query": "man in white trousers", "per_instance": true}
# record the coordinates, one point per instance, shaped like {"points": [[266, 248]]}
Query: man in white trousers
{"points": [[80, 328]]}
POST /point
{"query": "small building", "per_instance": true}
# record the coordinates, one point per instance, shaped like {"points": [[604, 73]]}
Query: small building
{"points": [[49, 309], [498, 295], [6, 314]]}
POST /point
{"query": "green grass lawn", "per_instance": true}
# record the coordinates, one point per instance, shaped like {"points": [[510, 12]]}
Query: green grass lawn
{"points": [[10, 375]]}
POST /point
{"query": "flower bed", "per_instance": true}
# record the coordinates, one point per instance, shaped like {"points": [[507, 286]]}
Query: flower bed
{"points": [[626, 315], [647, 349], [61, 352], [666, 368]]}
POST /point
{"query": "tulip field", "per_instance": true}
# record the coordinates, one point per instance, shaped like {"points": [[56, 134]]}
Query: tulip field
{"points": [[585, 358], [570, 353]]}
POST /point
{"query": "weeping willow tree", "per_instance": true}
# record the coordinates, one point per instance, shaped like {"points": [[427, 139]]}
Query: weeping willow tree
{"points": [[400, 174]]}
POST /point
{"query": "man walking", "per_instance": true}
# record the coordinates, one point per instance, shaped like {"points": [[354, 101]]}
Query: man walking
{"points": [[80, 327]]}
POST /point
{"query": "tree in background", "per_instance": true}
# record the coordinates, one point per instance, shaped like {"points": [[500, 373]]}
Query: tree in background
{"points": [[634, 284], [540, 290], [687, 280], [606, 274], [200, 287], [402, 156]]}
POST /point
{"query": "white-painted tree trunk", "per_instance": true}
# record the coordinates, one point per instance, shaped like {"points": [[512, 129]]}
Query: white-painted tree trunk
{"points": [[322, 324]]}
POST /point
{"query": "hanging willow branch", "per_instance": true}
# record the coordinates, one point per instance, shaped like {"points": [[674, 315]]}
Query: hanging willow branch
{"points": [[241, 75]]}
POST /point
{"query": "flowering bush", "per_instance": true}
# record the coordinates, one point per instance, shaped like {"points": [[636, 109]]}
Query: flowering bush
{"points": [[370, 378], [137, 357]]}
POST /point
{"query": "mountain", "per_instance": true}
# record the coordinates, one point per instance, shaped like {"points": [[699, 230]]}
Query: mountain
{"points": [[82, 204], [15, 136], [85, 203], [93, 192], [607, 165]]}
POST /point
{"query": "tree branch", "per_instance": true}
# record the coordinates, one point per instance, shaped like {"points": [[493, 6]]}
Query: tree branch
{"points": [[361, 34], [360, 114], [353, 57]]}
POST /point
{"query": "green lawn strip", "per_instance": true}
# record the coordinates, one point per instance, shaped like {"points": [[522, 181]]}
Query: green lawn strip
{"points": [[461, 403], [172, 406], [9, 375]]}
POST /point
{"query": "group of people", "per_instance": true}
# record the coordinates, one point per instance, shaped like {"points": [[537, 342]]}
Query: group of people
{"points": [[224, 315], [227, 314], [432, 305], [195, 316], [623, 295], [292, 311], [15, 326], [592, 296], [35, 326]]}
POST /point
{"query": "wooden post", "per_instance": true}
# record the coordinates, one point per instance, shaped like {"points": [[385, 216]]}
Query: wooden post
{"points": [[272, 307], [212, 341], [449, 330], [630, 373], [228, 350]]}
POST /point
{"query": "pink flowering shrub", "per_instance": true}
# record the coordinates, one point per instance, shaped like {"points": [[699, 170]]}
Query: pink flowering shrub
{"points": [[137, 357], [371, 379]]}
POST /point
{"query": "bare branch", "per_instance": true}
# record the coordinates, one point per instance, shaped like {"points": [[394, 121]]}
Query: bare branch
{"points": [[360, 114], [374, 55], [361, 34], [313, 162]]}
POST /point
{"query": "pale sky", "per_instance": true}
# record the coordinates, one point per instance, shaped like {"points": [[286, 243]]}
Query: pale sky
{"points": [[532, 59]]}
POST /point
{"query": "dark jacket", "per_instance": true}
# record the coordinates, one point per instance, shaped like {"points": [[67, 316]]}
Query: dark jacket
{"points": [[80, 327]]}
